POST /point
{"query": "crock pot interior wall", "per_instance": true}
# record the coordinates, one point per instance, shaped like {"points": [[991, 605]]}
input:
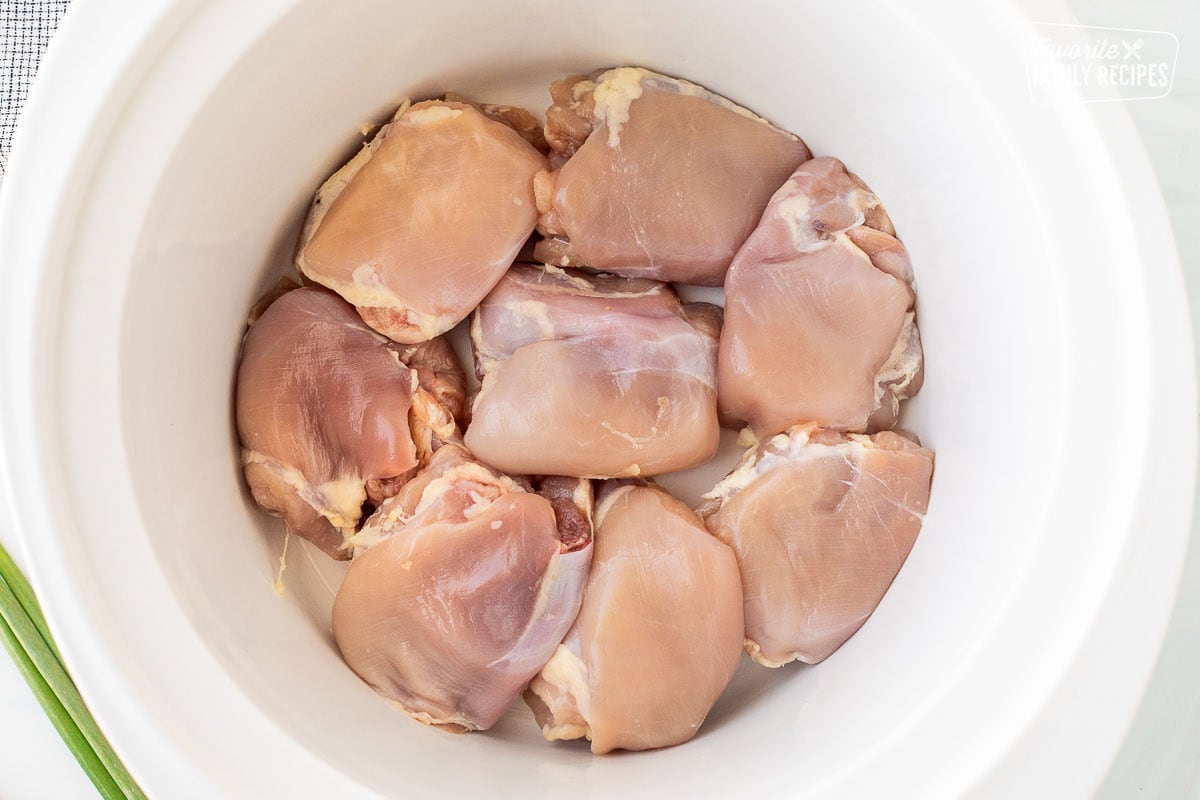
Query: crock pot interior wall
{"points": [[287, 114]]}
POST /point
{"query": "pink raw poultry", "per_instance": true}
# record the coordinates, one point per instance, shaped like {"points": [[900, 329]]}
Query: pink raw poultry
{"points": [[419, 225], [664, 178], [821, 522], [466, 586], [597, 376], [659, 633], [819, 321]]}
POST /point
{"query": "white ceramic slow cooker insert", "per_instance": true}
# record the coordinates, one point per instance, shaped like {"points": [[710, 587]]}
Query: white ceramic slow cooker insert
{"points": [[166, 160]]}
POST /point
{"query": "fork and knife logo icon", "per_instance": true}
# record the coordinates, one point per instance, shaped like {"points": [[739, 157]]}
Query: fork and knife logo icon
{"points": [[1132, 49]]}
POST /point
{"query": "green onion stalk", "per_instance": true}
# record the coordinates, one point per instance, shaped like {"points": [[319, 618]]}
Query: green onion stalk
{"points": [[26, 637]]}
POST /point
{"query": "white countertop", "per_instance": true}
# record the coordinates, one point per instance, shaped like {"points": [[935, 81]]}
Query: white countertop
{"points": [[1161, 758]]}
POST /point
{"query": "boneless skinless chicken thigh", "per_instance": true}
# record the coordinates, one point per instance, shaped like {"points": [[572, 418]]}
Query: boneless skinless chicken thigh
{"points": [[821, 522], [658, 635], [664, 179], [592, 375], [466, 585], [418, 226], [323, 407], [819, 321]]}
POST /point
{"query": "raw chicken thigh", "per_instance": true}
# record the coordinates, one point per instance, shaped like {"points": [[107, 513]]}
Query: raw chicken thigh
{"points": [[592, 375], [439, 409], [464, 590], [821, 522], [519, 119], [658, 636], [439, 373], [819, 320], [664, 179], [419, 225], [323, 415]]}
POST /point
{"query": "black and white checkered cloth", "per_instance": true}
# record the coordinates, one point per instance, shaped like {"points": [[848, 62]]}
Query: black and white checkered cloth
{"points": [[25, 29]]}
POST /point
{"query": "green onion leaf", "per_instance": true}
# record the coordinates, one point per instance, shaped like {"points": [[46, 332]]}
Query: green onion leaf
{"points": [[27, 639], [10, 574]]}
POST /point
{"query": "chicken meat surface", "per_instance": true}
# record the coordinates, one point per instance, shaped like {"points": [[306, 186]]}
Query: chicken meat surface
{"points": [[659, 178], [464, 588], [592, 375], [418, 226], [821, 522], [819, 318], [439, 412], [322, 409], [659, 633]]}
